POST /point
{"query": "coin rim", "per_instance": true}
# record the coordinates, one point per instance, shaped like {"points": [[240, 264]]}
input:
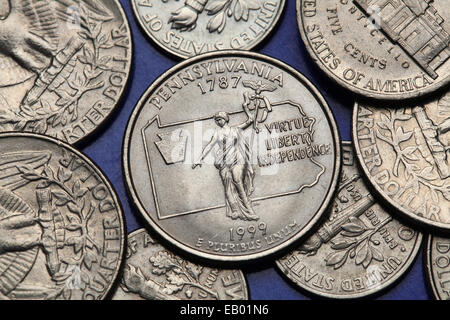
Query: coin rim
{"points": [[238, 258], [420, 222], [106, 181], [374, 291], [428, 269], [141, 24], [360, 92], [144, 230]]}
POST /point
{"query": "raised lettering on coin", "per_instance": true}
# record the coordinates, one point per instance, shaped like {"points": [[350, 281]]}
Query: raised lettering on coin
{"points": [[224, 153], [402, 49], [405, 154]]}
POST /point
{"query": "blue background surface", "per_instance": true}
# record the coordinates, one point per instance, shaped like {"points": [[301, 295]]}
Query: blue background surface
{"points": [[285, 44]]}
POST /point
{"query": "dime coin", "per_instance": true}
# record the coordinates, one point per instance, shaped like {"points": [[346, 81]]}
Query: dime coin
{"points": [[61, 224], [64, 65], [404, 152], [359, 250], [437, 266], [154, 273], [231, 156], [381, 49], [193, 27]]}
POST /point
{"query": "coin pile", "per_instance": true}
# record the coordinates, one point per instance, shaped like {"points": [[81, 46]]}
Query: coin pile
{"points": [[394, 186], [231, 157]]}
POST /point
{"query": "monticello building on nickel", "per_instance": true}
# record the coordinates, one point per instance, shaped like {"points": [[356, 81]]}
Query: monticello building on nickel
{"points": [[416, 26]]}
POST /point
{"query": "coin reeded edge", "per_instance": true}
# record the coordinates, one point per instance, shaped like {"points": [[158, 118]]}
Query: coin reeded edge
{"points": [[119, 102]]}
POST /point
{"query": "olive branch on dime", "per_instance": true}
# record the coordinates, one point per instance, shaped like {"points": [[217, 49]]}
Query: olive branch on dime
{"points": [[348, 245]]}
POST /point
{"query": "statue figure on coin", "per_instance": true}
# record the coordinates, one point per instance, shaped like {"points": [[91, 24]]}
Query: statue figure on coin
{"points": [[233, 160]]}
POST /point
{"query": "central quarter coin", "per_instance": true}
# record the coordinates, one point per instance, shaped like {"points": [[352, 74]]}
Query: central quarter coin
{"points": [[382, 49], [231, 156]]}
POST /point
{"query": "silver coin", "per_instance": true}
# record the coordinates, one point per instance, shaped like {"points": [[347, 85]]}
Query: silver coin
{"points": [[152, 272], [404, 152], [231, 156], [64, 65], [437, 266], [380, 49], [359, 250], [61, 224], [192, 27]]}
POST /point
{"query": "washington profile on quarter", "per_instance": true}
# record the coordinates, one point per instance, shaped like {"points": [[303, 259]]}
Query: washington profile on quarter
{"points": [[381, 49], [437, 266], [61, 223], [359, 250], [192, 27], [405, 154], [152, 272], [231, 156], [64, 65]]}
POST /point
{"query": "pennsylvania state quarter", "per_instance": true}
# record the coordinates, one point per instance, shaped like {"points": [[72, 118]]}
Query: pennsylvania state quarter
{"points": [[231, 156], [381, 49], [405, 154], [152, 272], [64, 65], [61, 224], [192, 27], [437, 266], [359, 250]]}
